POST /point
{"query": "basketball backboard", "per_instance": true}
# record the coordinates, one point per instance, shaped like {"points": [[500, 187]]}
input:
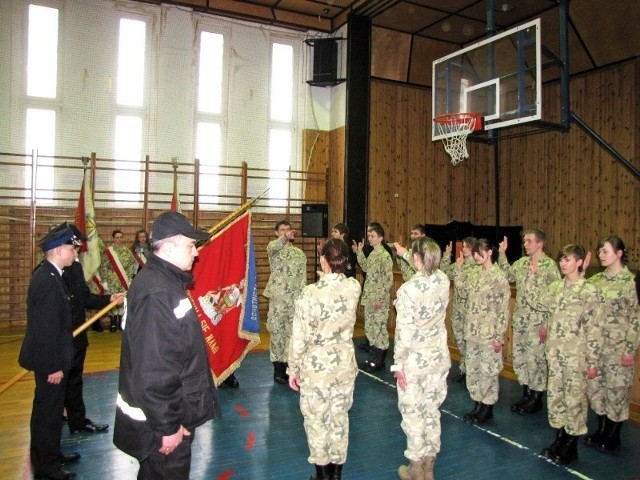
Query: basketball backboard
{"points": [[499, 78]]}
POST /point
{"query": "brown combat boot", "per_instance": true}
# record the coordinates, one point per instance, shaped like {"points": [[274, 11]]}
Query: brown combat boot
{"points": [[413, 471], [427, 467]]}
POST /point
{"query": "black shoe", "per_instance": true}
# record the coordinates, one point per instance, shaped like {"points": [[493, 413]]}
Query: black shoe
{"points": [[484, 414], [611, 441], [460, 378], [526, 394], [533, 405], [470, 416], [61, 474], [89, 427], [552, 450], [69, 459], [365, 345], [280, 373], [596, 437], [230, 382], [97, 327], [568, 451]]}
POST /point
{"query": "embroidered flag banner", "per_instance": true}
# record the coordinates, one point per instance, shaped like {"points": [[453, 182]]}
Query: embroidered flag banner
{"points": [[85, 220], [175, 199], [225, 296]]}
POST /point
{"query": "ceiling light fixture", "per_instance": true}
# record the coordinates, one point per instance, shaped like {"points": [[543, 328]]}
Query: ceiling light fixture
{"points": [[505, 7]]}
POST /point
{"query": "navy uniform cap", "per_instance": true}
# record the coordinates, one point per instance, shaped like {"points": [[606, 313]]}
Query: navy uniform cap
{"points": [[60, 235]]}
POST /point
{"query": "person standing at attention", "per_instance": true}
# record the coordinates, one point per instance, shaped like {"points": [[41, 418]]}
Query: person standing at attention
{"points": [[375, 296], [341, 231], [48, 351], [322, 362], [532, 273], [165, 389], [421, 358], [288, 277], [117, 268], [620, 320], [459, 305]]}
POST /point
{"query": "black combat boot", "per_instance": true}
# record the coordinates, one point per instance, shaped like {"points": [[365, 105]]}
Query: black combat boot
{"points": [[526, 393], [280, 373], [484, 414], [469, 416], [552, 450], [375, 361], [596, 437], [365, 345], [568, 451], [323, 472], [533, 405], [611, 441], [337, 471]]}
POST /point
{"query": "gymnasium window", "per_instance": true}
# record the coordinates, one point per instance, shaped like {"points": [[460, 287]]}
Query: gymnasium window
{"points": [[130, 108], [41, 101], [209, 115], [281, 124]]}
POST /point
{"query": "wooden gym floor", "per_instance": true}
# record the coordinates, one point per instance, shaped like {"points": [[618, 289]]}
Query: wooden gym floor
{"points": [[261, 435]]}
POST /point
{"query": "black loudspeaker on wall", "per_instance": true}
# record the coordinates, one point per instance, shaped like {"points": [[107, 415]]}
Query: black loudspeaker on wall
{"points": [[315, 219], [325, 60]]}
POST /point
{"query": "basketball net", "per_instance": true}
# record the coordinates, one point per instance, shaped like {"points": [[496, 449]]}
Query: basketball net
{"points": [[456, 127]]}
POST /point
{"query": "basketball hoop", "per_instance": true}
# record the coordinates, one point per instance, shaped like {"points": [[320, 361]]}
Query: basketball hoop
{"points": [[456, 127]]}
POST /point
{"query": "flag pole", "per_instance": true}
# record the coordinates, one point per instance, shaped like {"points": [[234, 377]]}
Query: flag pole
{"points": [[235, 214], [76, 332]]}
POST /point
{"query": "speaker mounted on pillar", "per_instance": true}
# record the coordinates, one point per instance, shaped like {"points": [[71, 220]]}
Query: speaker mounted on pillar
{"points": [[315, 218], [326, 61]]}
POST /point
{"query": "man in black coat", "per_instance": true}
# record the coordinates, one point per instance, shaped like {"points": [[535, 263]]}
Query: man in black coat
{"points": [[48, 350], [81, 299], [165, 388]]}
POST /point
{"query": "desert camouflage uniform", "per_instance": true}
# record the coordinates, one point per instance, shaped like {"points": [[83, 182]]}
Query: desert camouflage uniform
{"points": [[405, 264], [377, 287], [459, 304], [573, 345], [620, 321], [421, 352], [321, 354], [109, 276], [487, 295], [529, 362], [288, 278]]}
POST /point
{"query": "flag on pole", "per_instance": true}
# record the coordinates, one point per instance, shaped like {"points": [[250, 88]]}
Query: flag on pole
{"points": [[86, 223], [225, 296]]}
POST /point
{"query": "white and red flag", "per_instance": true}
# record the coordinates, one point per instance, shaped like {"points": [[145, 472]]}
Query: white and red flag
{"points": [[85, 220]]}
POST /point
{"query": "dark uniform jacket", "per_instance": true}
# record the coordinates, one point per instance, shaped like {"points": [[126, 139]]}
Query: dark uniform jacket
{"points": [[48, 346], [81, 299], [165, 379]]}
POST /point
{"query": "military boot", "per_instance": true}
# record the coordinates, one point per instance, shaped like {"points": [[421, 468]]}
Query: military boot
{"points": [[113, 326], [484, 414], [568, 451], [596, 437], [611, 441], [427, 467], [552, 450], [337, 471], [323, 472], [375, 361], [280, 373], [526, 392], [413, 471], [469, 416], [533, 405]]}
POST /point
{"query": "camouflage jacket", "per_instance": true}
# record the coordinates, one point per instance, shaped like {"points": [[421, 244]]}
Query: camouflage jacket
{"points": [[405, 264], [288, 270], [520, 273], [487, 294], [469, 267], [573, 323], [379, 269], [321, 347], [619, 311], [421, 334]]}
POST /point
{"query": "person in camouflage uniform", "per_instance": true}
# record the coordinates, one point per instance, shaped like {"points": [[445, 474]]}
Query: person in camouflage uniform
{"points": [[458, 307], [609, 392], [117, 268], [421, 358], [322, 362], [288, 277], [532, 273], [375, 296], [404, 257], [572, 339], [487, 294]]}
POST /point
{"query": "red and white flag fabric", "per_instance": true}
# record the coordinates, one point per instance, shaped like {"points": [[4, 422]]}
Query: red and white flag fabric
{"points": [[225, 297], [85, 220]]}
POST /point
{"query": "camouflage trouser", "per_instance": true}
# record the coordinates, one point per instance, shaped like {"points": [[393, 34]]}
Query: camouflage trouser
{"points": [[609, 391], [567, 393], [375, 326], [326, 421], [419, 405], [529, 361], [279, 325], [483, 367], [457, 324]]}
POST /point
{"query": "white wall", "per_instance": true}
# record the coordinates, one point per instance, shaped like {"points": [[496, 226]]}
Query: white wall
{"points": [[86, 105]]}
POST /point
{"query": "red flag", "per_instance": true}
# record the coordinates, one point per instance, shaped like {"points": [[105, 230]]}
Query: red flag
{"points": [[225, 297], [79, 219], [85, 221], [175, 199]]}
